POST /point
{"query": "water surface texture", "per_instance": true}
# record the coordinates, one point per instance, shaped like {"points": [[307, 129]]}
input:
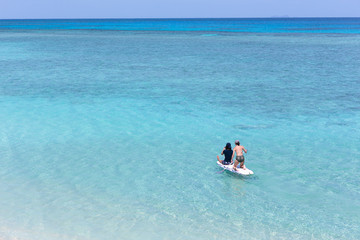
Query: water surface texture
{"points": [[109, 129]]}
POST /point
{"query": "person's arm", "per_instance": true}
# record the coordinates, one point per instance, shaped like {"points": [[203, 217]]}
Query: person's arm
{"points": [[245, 150], [222, 153], [232, 157]]}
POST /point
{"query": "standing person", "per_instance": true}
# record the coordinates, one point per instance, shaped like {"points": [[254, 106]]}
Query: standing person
{"points": [[228, 155], [238, 149]]}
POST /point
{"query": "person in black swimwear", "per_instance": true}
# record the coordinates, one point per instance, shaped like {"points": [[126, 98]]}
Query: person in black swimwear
{"points": [[227, 152]]}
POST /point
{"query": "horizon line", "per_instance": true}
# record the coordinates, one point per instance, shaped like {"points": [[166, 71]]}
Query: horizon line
{"points": [[169, 18]]}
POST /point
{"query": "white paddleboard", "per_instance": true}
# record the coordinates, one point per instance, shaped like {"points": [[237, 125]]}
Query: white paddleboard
{"points": [[240, 171]]}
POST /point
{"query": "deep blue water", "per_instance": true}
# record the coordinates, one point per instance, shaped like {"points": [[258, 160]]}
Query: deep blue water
{"points": [[254, 25], [114, 134]]}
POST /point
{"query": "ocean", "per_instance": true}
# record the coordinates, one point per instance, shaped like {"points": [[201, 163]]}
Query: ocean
{"points": [[110, 128]]}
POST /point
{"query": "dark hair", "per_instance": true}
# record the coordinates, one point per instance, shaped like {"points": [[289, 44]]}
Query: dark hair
{"points": [[228, 146]]}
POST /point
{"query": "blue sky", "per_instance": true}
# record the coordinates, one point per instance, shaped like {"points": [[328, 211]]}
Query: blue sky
{"points": [[176, 8]]}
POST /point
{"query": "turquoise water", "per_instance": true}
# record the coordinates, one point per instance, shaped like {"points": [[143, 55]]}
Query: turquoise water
{"points": [[114, 134], [263, 25]]}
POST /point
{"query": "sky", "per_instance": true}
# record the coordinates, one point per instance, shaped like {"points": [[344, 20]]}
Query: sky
{"points": [[30, 9]]}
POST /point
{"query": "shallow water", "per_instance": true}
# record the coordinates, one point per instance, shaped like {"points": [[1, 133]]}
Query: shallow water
{"points": [[114, 134]]}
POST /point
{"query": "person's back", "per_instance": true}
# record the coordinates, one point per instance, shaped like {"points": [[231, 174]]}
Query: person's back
{"points": [[239, 150], [228, 155]]}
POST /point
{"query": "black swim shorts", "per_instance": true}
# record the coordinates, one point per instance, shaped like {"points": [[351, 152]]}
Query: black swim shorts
{"points": [[240, 158]]}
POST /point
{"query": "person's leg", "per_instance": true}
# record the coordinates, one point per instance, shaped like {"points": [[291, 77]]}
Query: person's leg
{"points": [[242, 164], [235, 164], [221, 161]]}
